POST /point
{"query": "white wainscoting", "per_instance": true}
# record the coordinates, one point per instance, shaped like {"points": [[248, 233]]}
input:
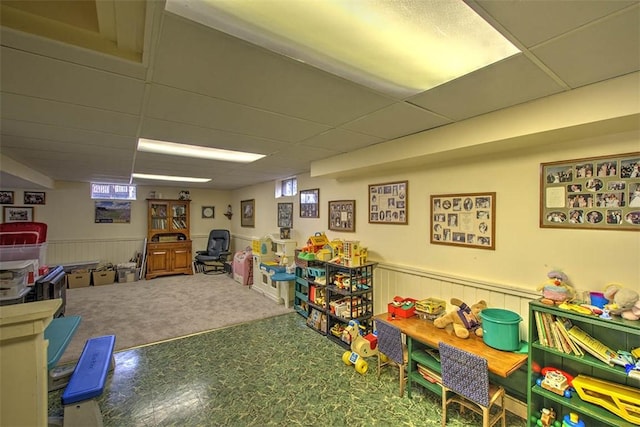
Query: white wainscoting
{"points": [[395, 280], [113, 251], [391, 280]]}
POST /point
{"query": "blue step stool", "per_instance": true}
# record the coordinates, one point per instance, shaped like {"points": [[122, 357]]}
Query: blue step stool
{"points": [[87, 383]]}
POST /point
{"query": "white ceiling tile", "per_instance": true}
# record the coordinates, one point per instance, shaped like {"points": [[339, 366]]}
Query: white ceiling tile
{"points": [[397, 120], [341, 140], [207, 137], [533, 22], [199, 59], [507, 83], [178, 105], [593, 53], [61, 114], [27, 74]]}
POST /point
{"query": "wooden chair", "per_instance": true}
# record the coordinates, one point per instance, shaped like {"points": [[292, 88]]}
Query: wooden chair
{"points": [[391, 348], [466, 377]]}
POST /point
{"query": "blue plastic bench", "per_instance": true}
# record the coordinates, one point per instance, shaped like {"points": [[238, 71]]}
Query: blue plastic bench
{"points": [[87, 383]]}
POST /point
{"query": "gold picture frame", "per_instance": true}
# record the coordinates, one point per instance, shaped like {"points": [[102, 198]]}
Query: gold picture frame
{"points": [[465, 219], [17, 213], [597, 193], [342, 215], [389, 203]]}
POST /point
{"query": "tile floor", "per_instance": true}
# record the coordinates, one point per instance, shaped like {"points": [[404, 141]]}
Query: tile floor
{"points": [[273, 372]]}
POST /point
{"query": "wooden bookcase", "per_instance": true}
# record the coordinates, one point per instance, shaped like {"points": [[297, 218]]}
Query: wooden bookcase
{"points": [[616, 333], [168, 238]]}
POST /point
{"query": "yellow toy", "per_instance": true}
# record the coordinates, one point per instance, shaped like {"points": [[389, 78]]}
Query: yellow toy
{"points": [[361, 346], [622, 400], [464, 320]]}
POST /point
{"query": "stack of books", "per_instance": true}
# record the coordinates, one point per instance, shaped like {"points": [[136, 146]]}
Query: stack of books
{"points": [[559, 333]]}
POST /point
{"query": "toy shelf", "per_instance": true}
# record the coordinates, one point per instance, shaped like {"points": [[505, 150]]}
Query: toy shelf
{"points": [[419, 356], [616, 333]]}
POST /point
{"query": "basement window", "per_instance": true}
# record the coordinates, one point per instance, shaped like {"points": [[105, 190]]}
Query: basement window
{"points": [[286, 187]]}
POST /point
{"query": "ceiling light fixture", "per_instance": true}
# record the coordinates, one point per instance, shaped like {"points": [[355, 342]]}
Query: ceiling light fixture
{"points": [[399, 48], [169, 178], [185, 150]]}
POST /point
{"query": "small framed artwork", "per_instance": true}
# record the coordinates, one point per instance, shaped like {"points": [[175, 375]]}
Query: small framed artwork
{"points": [[467, 219], [6, 197], [310, 203], [285, 233], [388, 203], [248, 213], [208, 212], [591, 193], [17, 213], [285, 215], [342, 215], [34, 197]]}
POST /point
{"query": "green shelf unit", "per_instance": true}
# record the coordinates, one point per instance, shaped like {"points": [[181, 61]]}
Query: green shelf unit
{"points": [[616, 333], [418, 355], [301, 296]]}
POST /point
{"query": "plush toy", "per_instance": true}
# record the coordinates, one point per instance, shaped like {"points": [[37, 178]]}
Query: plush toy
{"points": [[464, 320], [556, 289], [623, 302]]}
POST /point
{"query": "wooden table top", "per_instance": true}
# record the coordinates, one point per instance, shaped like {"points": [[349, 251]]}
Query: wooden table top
{"points": [[500, 362]]}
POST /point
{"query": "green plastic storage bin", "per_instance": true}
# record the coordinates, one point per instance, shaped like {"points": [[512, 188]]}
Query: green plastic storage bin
{"points": [[501, 328]]}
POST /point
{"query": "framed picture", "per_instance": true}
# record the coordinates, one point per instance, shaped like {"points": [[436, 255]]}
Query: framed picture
{"points": [[208, 212], [248, 213], [6, 197], [17, 213], [285, 233], [342, 215], [285, 215], [591, 193], [466, 219], [112, 212], [388, 203], [34, 197], [310, 203]]}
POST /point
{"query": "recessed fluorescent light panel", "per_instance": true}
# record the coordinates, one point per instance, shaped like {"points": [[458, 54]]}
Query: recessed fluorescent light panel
{"points": [[169, 178], [185, 150], [397, 47]]}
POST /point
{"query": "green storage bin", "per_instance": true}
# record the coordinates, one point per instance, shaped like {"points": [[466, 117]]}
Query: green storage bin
{"points": [[501, 328]]}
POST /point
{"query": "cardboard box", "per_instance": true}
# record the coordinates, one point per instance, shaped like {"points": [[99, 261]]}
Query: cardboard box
{"points": [[101, 278], [78, 280]]}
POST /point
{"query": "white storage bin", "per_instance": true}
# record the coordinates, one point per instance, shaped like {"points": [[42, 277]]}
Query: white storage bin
{"points": [[22, 252], [13, 277]]}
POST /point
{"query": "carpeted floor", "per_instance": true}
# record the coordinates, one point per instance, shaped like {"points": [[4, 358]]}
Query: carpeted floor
{"points": [[270, 372], [150, 311]]}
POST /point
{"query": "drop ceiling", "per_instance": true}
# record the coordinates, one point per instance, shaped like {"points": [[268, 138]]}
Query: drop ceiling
{"points": [[81, 81]]}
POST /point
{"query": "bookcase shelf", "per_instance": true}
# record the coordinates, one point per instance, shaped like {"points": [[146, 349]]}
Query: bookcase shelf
{"points": [[617, 334]]}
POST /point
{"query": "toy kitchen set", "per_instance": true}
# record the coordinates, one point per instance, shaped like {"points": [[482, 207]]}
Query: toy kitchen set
{"points": [[271, 277]]}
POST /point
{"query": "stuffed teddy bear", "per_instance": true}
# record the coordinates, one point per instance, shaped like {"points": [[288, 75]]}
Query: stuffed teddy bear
{"points": [[464, 320], [623, 302], [556, 289]]}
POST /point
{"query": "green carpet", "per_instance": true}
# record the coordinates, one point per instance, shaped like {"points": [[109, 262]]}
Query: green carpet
{"points": [[272, 372]]}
